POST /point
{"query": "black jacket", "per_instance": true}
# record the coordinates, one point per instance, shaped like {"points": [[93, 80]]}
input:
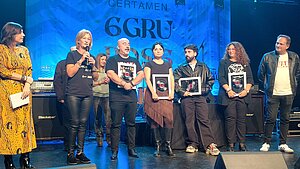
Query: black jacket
{"points": [[201, 70], [60, 80], [268, 67]]}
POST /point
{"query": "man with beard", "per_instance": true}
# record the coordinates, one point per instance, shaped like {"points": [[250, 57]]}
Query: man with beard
{"points": [[122, 95], [194, 107]]}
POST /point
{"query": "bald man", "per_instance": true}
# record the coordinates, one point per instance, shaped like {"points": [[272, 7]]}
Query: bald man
{"points": [[125, 73]]}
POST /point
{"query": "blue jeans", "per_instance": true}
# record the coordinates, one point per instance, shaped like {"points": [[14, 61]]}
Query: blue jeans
{"points": [[284, 103], [79, 108]]}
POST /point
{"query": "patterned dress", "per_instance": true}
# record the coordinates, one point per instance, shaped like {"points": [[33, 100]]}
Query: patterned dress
{"points": [[16, 125]]}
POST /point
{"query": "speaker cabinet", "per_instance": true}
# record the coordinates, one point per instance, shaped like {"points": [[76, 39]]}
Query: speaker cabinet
{"points": [[46, 122], [255, 115], [250, 160], [80, 166]]}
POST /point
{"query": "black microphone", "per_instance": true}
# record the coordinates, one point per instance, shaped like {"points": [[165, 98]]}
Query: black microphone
{"points": [[87, 48]]}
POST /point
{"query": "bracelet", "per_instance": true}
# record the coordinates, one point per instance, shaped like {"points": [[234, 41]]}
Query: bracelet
{"points": [[247, 91], [78, 63], [132, 83], [228, 90], [23, 78]]}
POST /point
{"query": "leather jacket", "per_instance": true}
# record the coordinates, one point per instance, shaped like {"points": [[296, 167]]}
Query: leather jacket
{"points": [[268, 67], [201, 70]]}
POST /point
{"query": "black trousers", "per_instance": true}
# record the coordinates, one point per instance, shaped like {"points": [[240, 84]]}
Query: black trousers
{"points": [[284, 103], [235, 120], [195, 112], [79, 108], [118, 110], [63, 116]]}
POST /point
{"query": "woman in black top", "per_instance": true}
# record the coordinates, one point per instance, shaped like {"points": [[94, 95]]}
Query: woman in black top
{"points": [[159, 111], [81, 71], [235, 78]]}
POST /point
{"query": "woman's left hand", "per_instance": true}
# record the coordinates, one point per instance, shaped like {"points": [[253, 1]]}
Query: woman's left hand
{"points": [[92, 60], [26, 91], [243, 93]]}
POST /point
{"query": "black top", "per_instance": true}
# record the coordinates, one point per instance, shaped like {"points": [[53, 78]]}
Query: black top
{"points": [[60, 80], [117, 93], [159, 68], [226, 66], [82, 82]]}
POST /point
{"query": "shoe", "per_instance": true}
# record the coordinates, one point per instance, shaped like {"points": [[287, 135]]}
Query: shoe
{"points": [[8, 162], [265, 147], [212, 150], [132, 153], [191, 149], [242, 147], [25, 161], [169, 149], [99, 141], [230, 148], [71, 159], [157, 149], [285, 149], [82, 158], [114, 156]]}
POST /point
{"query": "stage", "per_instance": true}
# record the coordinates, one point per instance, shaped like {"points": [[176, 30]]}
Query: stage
{"points": [[50, 154]]}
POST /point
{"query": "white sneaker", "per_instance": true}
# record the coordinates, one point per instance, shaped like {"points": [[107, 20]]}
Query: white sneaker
{"points": [[191, 149], [212, 150], [285, 148], [265, 147]]}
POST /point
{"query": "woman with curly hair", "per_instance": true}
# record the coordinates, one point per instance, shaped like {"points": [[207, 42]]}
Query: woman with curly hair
{"points": [[235, 78]]}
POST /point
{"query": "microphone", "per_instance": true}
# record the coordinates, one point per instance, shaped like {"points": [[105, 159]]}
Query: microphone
{"points": [[87, 48]]}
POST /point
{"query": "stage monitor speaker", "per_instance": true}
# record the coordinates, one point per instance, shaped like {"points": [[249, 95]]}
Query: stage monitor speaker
{"points": [[80, 166], [255, 115], [297, 164], [250, 160], [45, 117]]}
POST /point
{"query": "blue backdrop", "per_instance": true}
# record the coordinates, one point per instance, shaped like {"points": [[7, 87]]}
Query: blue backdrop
{"points": [[53, 24]]}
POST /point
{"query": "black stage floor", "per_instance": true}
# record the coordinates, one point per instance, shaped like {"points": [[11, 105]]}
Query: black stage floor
{"points": [[50, 154]]}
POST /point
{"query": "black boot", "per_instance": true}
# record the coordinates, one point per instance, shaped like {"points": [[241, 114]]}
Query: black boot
{"points": [[156, 152], [168, 135], [25, 161], [156, 132], [169, 149], [8, 162]]}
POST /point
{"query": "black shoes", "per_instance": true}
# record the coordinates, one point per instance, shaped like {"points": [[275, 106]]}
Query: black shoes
{"points": [[8, 162], [114, 155], [230, 147], [156, 153], [242, 147], [83, 159], [25, 161], [132, 153], [71, 159], [79, 159], [169, 149]]}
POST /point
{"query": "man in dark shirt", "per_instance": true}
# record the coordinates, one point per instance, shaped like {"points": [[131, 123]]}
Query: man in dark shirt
{"points": [[124, 72]]}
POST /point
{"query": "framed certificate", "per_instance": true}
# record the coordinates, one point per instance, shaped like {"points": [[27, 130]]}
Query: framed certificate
{"points": [[126, 71], [237, 81], [191, 84], [162, 85]]}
